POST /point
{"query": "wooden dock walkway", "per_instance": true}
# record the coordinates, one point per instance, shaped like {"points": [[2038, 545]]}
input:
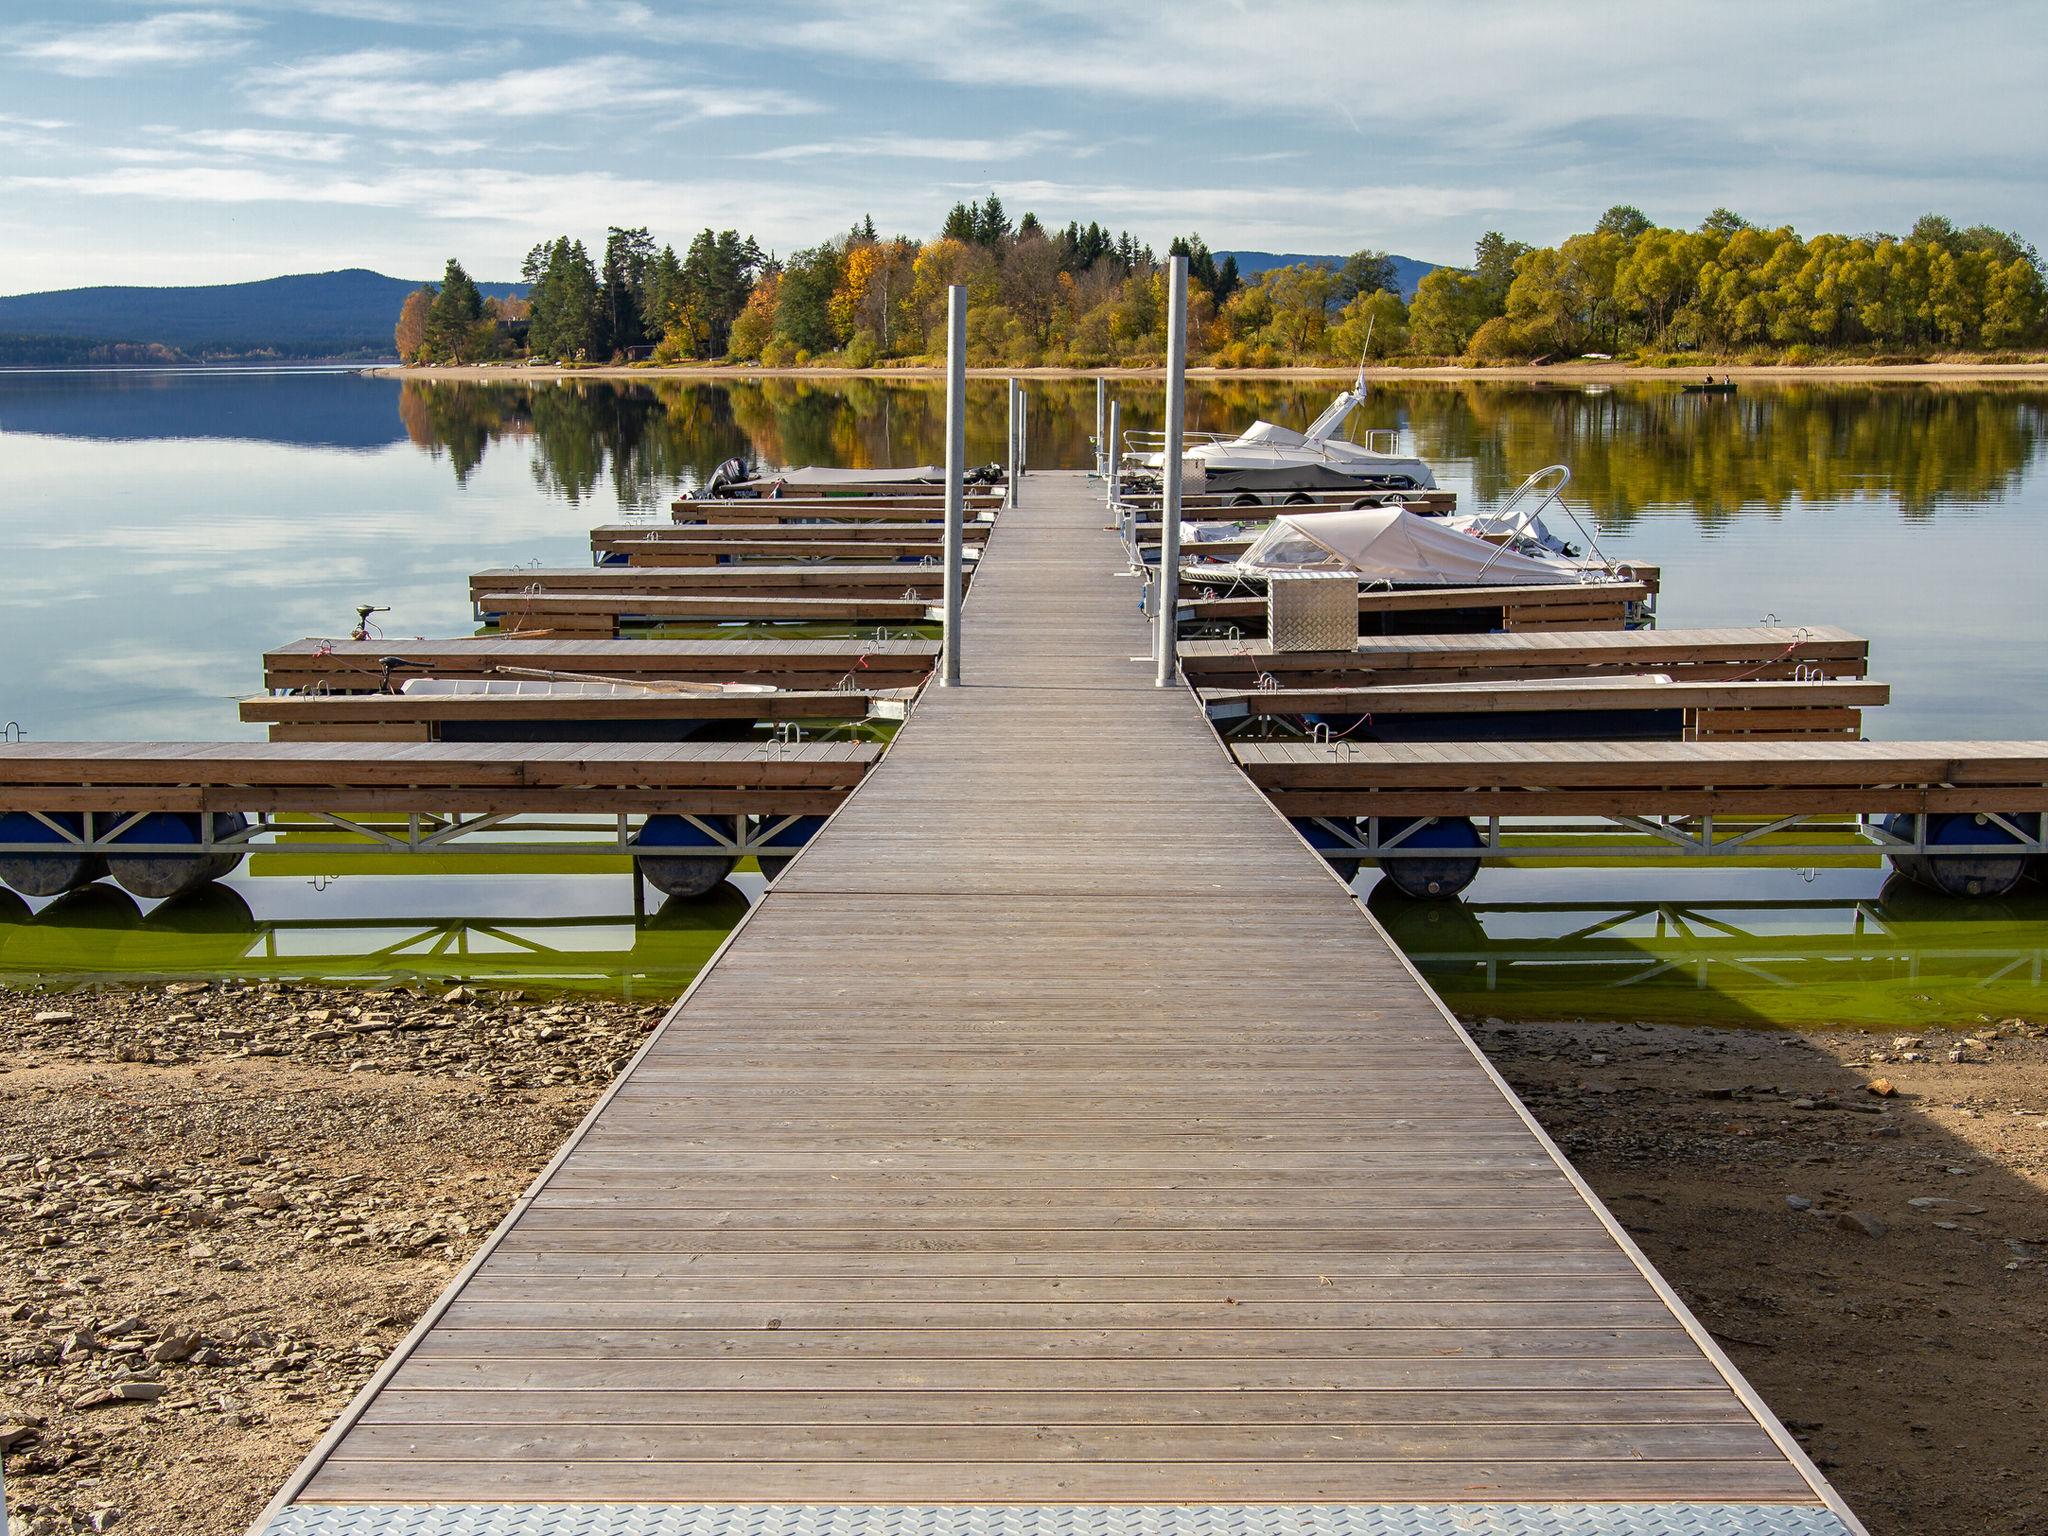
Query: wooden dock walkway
{"points": [[1058, 1147]]}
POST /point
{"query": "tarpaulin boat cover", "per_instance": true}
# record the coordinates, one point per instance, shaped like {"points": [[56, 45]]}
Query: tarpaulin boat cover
{"points": [[915, 473], [1388, 544]]}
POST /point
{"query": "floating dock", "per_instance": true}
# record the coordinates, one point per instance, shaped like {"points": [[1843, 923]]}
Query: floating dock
{"points": [[1058, 1148]]}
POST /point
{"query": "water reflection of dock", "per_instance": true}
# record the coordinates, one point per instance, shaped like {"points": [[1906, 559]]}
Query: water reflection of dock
{"points": [[1903, 952], [101, 933]]}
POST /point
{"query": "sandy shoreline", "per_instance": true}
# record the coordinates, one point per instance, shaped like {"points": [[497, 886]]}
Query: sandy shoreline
{"points": [[1560, 373], [235, 1200]]}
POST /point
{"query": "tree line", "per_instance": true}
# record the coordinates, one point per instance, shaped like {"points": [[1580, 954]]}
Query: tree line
{"points": [[1081, 297]]}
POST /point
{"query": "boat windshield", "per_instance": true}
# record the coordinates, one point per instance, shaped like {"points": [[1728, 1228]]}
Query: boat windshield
{"points": [[1284, 546]]}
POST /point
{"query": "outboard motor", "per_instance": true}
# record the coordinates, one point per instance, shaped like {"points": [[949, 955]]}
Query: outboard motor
{"points": [[726, 480]]}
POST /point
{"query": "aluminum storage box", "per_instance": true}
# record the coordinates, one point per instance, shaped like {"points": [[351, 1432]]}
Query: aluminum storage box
{"points": [[1312, 611]]}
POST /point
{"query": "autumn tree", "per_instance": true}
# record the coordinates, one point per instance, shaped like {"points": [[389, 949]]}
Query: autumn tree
{"points": [[411, 332]]}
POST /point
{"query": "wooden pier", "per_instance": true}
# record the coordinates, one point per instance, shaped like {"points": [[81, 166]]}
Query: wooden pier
{"points": [[1059, 1148]]}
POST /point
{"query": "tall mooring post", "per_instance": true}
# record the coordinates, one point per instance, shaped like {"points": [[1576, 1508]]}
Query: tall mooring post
{"points": [[1109, 468], [1012, 467], [1023, 431], [1170, 467], [1101, 442], [956, 473]]}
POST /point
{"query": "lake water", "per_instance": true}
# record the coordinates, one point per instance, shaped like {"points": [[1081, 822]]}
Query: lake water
{"points": [[163, 529]]}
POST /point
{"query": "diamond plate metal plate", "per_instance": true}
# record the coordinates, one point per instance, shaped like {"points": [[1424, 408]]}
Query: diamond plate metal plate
{"points": [[1075, 1520]]}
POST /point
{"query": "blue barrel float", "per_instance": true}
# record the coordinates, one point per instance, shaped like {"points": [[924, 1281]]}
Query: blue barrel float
{"points": [[1965, 874], [62, 869], [793, 836], [158, 876], [683, 873], [1452, 865], [1338, 854]]}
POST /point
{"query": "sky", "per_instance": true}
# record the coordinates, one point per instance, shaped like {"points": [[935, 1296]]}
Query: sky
{"points": [[237, 139]]}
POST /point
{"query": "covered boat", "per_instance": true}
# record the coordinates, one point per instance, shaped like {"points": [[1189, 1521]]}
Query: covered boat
{"points": [[734, 478], [1391, 547]]}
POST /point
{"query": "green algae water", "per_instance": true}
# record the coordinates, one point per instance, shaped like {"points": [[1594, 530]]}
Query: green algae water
{"points": [[164, 528]]}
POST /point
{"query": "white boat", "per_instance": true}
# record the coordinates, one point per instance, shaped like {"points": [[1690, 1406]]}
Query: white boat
{"points": [[1267, 457], [1391, 547]]}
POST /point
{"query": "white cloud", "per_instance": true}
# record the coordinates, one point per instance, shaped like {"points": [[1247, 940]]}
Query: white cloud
{"points": [[171, 37], [903, 146], [399, 88], [273, 143]]}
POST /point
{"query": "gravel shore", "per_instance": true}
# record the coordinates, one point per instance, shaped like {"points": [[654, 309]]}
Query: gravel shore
{"points": [[221, 1207]]}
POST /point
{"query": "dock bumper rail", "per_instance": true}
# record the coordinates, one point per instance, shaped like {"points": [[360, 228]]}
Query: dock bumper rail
{"points": [[1064, 1520]]}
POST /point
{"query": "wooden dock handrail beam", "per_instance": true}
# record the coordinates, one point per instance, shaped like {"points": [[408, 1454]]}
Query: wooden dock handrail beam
{"points": [[429, 716], [1649, 778], [1745, 708], [601, 613], [1603, 605], [359, 665], [1689, 654], [482, 777], [813, 580]]}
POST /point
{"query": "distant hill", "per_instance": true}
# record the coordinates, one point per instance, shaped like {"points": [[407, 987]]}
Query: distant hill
{"points": [[1407, 270], [320, 314]]}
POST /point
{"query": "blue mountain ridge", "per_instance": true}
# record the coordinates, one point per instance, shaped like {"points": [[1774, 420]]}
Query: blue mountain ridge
{"points": [[310, 314], [1407, 270]]}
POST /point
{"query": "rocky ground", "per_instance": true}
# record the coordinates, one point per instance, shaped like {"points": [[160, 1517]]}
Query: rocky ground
{"points": [[1862, 1221], [221, 1207]]}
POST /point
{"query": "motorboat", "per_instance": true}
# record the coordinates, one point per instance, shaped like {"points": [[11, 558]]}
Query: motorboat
{"points": [[1515, 525], [1389, 547], [736, 479], [1267, 458]]}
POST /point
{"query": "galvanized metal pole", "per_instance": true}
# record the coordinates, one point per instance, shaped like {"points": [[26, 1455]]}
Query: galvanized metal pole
{"points": [[1101, 394], [956, 471], [1168, 586], [1010, 465], [1110, 469]]}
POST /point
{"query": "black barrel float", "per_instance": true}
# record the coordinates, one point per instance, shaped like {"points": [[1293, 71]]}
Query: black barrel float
{"points": [[1450, 866], [1964, 874], [682, 873], [155, 876], [62, 869]]}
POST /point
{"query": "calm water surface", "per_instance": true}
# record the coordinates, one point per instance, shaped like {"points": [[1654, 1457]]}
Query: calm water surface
{"points": [[162, 529]]}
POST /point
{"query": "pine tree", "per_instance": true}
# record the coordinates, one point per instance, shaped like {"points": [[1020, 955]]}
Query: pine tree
{"points": [[451, 329], [961, 224], [628, 253], [991, 224]]}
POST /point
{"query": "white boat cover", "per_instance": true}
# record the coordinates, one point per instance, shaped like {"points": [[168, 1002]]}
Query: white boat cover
{"points": [[1391, 545], [542, 688], [934, 474]]}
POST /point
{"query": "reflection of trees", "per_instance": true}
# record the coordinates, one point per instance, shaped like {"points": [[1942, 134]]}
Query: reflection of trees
{"points": [[1631, 447], [1640, 446], [460, 419]]}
